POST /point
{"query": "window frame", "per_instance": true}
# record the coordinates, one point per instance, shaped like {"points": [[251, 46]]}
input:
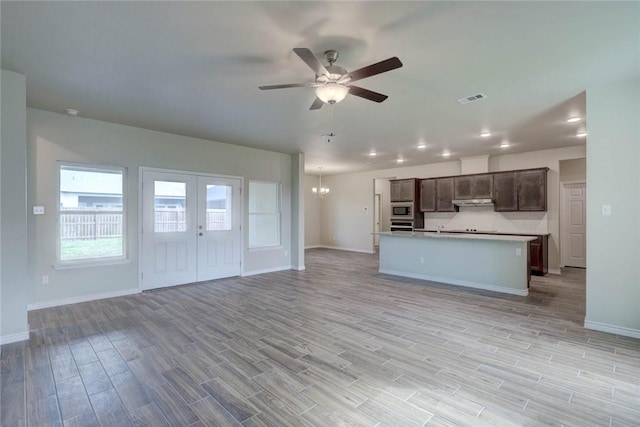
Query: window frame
{"points": [[278, 215], [95, 261]]}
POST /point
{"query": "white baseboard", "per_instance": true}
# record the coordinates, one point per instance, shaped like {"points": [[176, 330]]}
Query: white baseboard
{"points": [[298, 268], [555, 271], [313, 247], [82, 298], [266, 270], [339, 248], [449, 281], [19, 336], [612, 329]]}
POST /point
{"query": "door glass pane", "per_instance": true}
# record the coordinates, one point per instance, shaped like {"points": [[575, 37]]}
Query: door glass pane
{"points": [[170, 202], [218, 207]]}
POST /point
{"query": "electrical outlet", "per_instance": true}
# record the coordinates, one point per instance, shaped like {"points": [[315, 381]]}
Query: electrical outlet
{"points": [[38, 210], [286, 253], [606, 210], [45, 280], [518, 252]]}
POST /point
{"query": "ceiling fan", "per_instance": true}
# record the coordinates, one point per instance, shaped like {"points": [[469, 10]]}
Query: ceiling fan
{"points": [[333, 82]]}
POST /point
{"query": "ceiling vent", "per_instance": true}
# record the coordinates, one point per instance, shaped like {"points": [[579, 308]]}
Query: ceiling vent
{"points": [[472, 98]]}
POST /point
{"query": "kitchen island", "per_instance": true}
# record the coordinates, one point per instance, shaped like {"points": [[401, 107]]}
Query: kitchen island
{"points": [[492, 262]]}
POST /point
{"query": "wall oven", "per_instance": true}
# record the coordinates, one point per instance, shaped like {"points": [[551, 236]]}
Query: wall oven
{"points": [[402, 211], [400, 225]]}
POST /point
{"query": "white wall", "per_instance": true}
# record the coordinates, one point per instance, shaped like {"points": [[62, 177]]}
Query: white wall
{"points": [[13, 220], [54, 137], [613, 178], [312, 213], [573, 170]]}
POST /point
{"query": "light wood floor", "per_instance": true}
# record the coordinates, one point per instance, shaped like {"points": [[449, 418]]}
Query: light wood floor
{"points": [[334, 345]]}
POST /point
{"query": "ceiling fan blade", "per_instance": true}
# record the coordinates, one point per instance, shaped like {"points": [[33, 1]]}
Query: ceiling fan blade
{"points": [[372, 70], [317, 104], [367, 94], [285, 86], [310, 59]]}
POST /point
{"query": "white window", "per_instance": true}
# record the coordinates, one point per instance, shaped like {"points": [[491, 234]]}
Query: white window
{"points": [[91, 230], [264, 214]]}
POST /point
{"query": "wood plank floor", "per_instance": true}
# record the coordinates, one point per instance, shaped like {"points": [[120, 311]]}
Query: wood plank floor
{"points": [[337, 344]]}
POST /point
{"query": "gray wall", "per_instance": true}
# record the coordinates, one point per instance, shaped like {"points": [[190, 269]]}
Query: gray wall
{"points": [[13, 221], [613, 162], [54, 137]]}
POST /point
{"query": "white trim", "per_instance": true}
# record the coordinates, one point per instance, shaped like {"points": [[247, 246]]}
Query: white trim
{"points": [[298, 268], [11, 338], [81, 298], [266, 270], [555, 271], [612, 329], [465, 283], [313, 247], [346, 249]]}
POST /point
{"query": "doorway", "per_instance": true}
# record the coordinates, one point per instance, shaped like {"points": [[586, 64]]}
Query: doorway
{"points": [[190, 228], [573, 246], [377, 219]]}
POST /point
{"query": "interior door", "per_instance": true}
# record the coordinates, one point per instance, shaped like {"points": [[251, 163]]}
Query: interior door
{"points": [[168, 229], [219, 231], [574, 241], [191, 228]]}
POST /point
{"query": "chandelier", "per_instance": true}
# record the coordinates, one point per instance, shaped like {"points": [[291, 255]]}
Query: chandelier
{"points": [[320, 191]]}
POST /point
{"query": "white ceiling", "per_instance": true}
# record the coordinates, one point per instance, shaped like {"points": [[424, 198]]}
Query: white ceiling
{"points": [[193, 68]]}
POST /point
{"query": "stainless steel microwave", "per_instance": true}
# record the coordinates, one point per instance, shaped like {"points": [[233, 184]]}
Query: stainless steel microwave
{"points": [[402, 210]]}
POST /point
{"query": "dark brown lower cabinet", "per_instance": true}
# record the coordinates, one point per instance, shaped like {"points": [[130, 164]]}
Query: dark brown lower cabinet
{"points": [[539, 255]]}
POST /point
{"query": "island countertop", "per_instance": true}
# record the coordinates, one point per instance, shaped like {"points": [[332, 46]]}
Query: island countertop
{"points": [[457, 235]]}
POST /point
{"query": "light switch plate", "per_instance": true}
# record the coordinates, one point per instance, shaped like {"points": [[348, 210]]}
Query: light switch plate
{"points": [[38, 210], [606, 210]]}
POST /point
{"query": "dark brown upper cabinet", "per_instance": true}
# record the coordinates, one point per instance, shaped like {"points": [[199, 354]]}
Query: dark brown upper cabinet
{"points": [[404, 190], [506, 191], [428, 195], [444, 195], [473, 186], [532, 190]]}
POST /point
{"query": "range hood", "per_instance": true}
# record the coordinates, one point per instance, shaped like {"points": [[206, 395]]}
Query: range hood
{"points": [[473, 202]]}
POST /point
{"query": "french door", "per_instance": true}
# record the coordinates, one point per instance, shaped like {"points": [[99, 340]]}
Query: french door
{"points": [[190, 228]]}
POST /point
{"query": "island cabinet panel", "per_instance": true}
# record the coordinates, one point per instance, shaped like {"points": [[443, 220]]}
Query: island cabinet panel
{"points": [[506, 191], [428, 195], [444, 195], [403, 190], [532, 190], [473, 186]]}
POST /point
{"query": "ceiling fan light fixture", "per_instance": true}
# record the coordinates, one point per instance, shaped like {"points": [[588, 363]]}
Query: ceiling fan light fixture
{"points": [[332, 93]]}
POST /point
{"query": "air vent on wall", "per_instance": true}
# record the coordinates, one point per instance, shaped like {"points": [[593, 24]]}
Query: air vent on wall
{"points": [[472, 98]]}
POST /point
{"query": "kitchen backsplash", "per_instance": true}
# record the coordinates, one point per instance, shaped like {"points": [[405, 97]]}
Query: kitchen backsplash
{"points": [[486, 219]]}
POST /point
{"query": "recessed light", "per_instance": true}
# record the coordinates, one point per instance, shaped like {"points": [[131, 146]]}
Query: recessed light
{"points": [[504, 145], [581, 134], [422, 146], [574, 119], [400, 160], [373, 153], [72, 112], [446, 154], [485, 134]]}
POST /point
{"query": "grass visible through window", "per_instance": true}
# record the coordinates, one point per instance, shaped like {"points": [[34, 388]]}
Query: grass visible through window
{"points": [[83, 249]]}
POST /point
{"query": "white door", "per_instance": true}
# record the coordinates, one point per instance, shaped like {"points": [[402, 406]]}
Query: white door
{"points": [[376, 219], [190, 228], [574, 234], [219, 231]]}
